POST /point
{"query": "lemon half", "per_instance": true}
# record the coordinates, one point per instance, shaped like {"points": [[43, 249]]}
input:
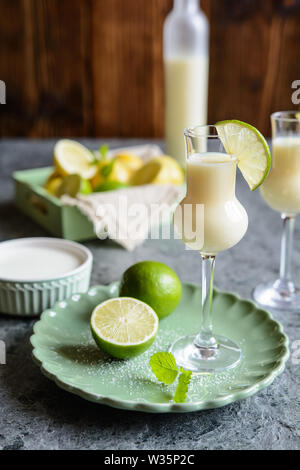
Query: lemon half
{"points": [[159, 170], [72, 158]]}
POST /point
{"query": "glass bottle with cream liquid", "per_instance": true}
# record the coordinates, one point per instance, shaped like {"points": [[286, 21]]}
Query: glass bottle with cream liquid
{"points": [[186, 64]]}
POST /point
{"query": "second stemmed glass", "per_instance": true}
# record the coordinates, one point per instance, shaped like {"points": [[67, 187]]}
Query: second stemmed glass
{"points": [[281, 191]]}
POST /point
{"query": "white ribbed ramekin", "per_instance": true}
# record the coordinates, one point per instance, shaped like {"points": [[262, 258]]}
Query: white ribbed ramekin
{"points": [[32, 297]]}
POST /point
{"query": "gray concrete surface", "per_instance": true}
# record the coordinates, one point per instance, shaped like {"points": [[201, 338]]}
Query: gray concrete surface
{"points": [[35, 414]]}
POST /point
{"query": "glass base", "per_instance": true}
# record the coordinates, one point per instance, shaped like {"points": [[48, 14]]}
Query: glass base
{"points": [[273, 295], [204, 360]]}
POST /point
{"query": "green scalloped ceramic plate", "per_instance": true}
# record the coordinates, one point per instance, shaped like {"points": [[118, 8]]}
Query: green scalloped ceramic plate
{"points": [[66, 353]]}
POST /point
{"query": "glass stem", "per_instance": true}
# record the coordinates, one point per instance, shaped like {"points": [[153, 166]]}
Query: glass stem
{"points": [[285, 281], [205, 338]]}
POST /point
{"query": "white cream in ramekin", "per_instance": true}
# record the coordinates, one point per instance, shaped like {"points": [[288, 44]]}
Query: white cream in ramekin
{"points": [[35, 273]]}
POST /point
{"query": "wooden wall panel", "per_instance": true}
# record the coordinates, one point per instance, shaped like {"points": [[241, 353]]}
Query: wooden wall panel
{"points": [[45, 62], [127, 66], [12, 68], [94, 67], [254, 58]]}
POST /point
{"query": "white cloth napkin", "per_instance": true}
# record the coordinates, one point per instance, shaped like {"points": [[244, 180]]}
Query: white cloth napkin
{"points": [[127, 215], [145, 152]]}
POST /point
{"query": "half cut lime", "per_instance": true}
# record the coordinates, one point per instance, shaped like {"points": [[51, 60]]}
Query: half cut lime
{"points": [[124, 327]]}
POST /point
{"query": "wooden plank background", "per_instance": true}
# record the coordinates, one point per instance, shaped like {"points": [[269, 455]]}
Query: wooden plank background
{"points": [[94, 67]]}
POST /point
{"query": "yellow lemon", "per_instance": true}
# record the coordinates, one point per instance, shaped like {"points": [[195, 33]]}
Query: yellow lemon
{"points": [[73, 185], [53, 183], [159, 170], [111, 170], [72, 158], [133, 162], [53, 175]]}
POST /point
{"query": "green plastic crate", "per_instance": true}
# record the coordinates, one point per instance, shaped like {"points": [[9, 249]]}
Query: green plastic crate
{"points": [[48, 211]]}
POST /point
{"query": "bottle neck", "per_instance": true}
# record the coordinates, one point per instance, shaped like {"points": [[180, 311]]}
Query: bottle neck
{"points": [[186, 5]]}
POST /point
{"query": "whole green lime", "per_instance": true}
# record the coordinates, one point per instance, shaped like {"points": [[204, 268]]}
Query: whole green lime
{"points": [[154, 283]]}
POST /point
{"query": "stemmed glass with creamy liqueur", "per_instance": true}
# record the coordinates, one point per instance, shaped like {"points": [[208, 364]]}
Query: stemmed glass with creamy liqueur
{"points": [[281, 191], [209, 220]]}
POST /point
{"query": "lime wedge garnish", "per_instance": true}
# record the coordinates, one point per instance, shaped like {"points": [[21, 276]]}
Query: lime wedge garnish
{"points": [[124, 327], [250, 147]]}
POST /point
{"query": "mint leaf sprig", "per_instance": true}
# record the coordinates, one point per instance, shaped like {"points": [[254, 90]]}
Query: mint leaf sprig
{"points": [[165, 369], [103, 150], [183, 386], [107, 169]]}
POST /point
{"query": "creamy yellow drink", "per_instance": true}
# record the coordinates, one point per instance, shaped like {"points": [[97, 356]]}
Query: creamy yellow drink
{"points": [[186, 99], [211, 179], [281, 190]]}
